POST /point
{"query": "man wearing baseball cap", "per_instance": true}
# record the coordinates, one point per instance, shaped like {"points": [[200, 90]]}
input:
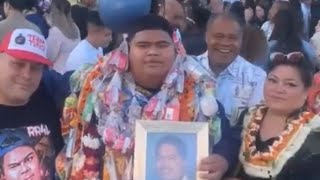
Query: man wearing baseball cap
{"points": [[24, 98]]}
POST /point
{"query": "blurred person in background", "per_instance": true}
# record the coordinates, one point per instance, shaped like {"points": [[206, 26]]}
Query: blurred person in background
{"points": [[237, 9], [173, 11], [89, 50], [261, 12], [64, 34], [44, 5], [216, 6], [249, 11], [226, 6], [286, 37], [317, 28], [79, 14], [315, 15], [2, 15], [305, 9], [267, 27], [254, 46], [14, 17], [193, 38], [34, 14], [296, 6], [315, 40]]}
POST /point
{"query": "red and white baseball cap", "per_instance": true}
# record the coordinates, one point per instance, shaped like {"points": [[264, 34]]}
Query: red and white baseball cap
{"points": [[26, 44]]}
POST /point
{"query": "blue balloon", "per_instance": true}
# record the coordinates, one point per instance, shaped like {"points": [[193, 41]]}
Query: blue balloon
{"points": [[119, 14]]}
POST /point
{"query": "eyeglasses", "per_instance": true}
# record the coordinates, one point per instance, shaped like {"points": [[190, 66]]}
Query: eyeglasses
{"points": [[293, 57]]}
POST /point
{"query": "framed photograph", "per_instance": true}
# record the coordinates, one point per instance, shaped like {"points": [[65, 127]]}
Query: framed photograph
{"points": [[169, 149]]}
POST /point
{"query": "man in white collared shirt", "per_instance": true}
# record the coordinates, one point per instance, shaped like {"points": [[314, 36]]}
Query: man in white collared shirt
{"points": [[239, 83], [89, 50]]}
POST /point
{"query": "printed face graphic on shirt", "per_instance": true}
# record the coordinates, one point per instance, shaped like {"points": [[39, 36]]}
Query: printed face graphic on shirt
{"points": [[26, 154], [21, 163]]}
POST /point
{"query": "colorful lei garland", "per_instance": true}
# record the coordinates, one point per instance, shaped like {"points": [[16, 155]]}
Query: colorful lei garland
{"points": [[269, 164], [314, 95], [104, 91]]}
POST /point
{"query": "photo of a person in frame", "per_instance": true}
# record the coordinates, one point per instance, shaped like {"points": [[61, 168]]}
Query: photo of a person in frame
{"points": [[172, 159], [18, 158]]}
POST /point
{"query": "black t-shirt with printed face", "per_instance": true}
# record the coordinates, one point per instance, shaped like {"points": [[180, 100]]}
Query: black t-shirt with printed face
{"points": [[30, 138]]}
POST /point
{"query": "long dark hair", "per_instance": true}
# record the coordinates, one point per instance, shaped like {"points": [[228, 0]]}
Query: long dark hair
{"points": [[60, 17], [237, 10], [63, 6], [265, 5], [249, 4], [286, 31]]}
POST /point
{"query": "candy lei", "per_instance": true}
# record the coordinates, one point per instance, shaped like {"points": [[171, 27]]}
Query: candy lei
{"points": [[117, 118], [109, 92], [178, 42], [179, 91], [87, 86], [184, 91], [187, 112], [269, 164]]}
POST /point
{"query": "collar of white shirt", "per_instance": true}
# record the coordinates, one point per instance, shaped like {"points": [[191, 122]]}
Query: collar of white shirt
{"points": [[232, 69]]}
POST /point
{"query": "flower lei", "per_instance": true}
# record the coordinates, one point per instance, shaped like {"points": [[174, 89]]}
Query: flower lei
{"points": [[269, 163], [314, 95], [108, 95]]}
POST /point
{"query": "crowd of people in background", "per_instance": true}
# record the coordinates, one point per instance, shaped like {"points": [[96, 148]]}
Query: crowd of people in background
{"points": [[295, 26], [72, 87]]}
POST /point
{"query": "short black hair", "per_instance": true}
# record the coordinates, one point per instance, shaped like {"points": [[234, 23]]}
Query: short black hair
{"points": [[174, 141], [228, 16], [20, 5], [149, 22], [95, 19]]}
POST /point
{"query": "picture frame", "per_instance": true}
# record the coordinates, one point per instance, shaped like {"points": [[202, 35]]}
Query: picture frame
{"points": [[149, 157]]}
